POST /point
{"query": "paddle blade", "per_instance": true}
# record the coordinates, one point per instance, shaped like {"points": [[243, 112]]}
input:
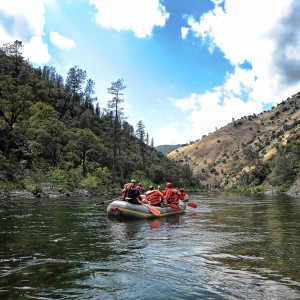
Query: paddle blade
{"points": [[154, 210], [193, 205]]}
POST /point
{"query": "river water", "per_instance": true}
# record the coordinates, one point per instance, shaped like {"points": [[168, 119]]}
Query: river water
{"points": [[232, 246]]}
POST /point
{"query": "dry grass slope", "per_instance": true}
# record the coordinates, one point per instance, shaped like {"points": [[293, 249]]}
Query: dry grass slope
{"points": [[217, 156]]}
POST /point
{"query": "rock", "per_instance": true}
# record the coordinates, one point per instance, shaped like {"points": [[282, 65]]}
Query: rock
{"points": [[20, 194], [295, 188]]}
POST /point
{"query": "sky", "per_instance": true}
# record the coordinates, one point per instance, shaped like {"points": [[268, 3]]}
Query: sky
{"points": [[189, 66]]}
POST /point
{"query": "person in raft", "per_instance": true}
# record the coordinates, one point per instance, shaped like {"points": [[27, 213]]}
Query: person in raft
{"points": [[183, 192], [143, 190], [153, 196], [172, 195], [131, 192]]}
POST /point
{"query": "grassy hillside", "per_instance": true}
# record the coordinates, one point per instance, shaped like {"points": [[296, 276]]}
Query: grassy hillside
{"points": [[255, 151]]}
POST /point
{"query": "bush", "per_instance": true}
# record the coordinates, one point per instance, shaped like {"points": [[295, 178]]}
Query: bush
{"points": [[284, 187], [91, 183], [59, 178]]}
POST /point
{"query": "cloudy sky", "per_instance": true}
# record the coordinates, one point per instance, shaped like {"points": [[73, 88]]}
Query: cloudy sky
{"points": [[190, 66]]}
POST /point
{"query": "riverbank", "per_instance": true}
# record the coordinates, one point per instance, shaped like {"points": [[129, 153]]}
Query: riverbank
{"points": [[49, 193], [63, 193]]}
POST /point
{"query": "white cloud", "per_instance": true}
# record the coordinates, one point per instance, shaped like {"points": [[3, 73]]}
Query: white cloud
{"points": [[61, 41], [24, 21], [135, 15], [264, 34], [252, 30], [167, 135], [216, 114], [36, 51], [184, 32]]}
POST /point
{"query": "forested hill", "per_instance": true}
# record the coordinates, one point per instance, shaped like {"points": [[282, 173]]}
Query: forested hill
{"points": [[258, 152], [53, 134]]}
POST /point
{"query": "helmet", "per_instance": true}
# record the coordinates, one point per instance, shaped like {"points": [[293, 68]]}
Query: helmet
{"points": [[158, 187], [132, 180], [181, 190], [168, 185], [151, 188]]}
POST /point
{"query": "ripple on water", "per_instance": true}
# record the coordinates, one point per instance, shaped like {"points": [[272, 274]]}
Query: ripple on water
{"points": [[227, 248]]}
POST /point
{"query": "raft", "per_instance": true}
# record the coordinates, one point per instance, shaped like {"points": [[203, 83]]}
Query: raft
{"points": [[130, 210]]}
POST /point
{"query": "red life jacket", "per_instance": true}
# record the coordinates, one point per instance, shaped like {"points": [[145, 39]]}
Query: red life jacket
{"points": [[154, 197]]}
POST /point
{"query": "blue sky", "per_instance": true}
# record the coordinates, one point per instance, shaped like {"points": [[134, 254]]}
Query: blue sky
{"points": [[190, 66]]}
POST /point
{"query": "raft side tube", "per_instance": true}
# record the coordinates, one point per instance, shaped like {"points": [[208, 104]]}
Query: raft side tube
{"points": [[126, 209]]}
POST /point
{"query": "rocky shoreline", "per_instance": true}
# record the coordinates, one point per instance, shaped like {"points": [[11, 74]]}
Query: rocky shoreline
{"points": [[49, 193], [295, 188], [22, 194]]}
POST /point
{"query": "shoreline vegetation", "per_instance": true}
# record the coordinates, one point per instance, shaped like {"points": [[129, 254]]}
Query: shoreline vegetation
{"points": [[294, 190]]}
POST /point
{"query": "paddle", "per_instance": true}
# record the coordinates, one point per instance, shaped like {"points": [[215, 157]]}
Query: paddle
{"points": [[107, 201], [154, 210], [193, 205]]}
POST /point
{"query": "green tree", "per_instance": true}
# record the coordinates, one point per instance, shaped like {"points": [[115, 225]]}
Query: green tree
{"points": [[73, 98], [282, 167], [251, 156], [47, 136], [88, 95], [115, 105], [141, 135], [85, 144], [15, 95]]}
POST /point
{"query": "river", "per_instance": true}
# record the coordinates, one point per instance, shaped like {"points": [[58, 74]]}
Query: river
{"points": [[232, 246]]}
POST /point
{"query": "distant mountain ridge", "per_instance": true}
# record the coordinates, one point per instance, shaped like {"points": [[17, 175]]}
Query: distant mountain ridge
{"points": [[255, 150], [166, 149]]}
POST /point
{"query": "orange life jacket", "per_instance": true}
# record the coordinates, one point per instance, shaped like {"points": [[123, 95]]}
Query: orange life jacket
{"points": [[173, 195], [154, 197]]}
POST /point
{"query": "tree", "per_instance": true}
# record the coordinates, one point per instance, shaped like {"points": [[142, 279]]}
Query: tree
{"points": [[250, 155], [15, 94], [283, 167], [152, 143], [141, 135], [115, 105], [73, 97], [84, 145], [47, 136], [15, 52], [88, 92]]}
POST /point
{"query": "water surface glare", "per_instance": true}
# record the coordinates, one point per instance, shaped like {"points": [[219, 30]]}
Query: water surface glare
{"points": [[232, 246]]}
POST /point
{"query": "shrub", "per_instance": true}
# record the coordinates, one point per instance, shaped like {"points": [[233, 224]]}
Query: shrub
{"points": [[59, 178]]}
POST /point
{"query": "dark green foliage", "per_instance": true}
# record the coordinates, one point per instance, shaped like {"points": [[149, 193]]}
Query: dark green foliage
{"points": [[285, 164], [52, 135]]}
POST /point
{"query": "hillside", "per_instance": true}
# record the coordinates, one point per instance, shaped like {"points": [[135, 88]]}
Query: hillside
{"points": [[55, 136], [166, 149], [232, 155]]}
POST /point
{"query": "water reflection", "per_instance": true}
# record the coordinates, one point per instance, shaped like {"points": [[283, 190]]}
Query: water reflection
{"points": [[230, 247]]}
